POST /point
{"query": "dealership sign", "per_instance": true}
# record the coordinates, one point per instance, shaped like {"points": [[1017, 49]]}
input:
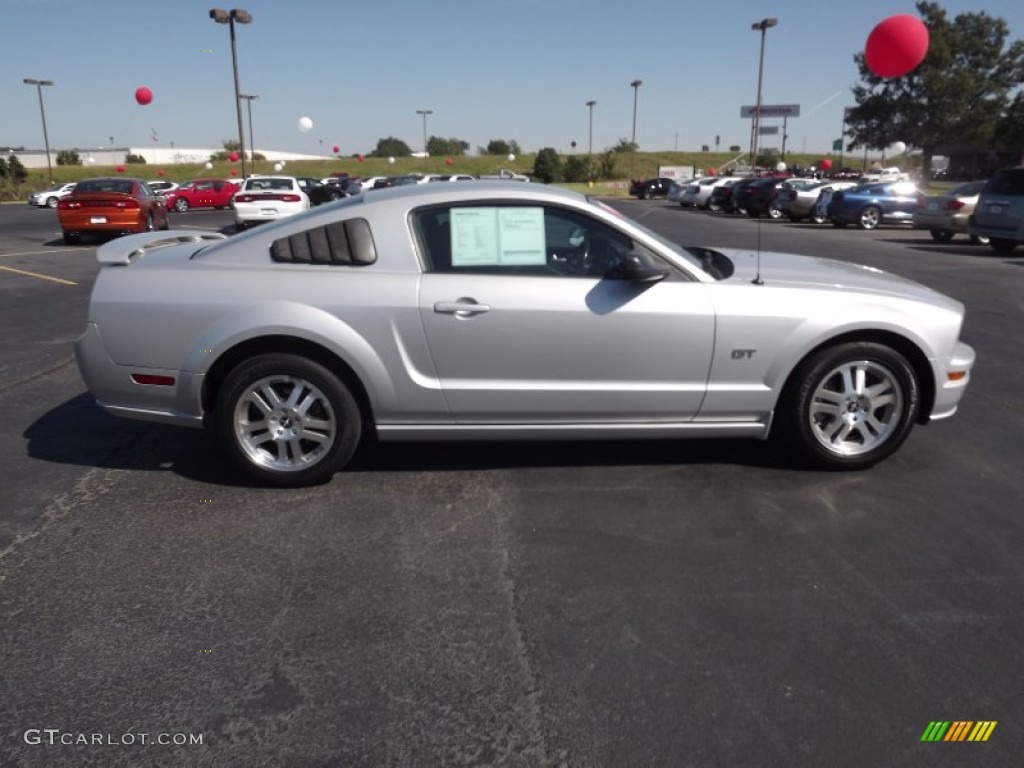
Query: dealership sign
{"points": [[772, 110]]}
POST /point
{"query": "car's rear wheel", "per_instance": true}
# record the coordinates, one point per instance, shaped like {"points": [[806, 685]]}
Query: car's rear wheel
{"points": [[286, 420], [1000, 245], [942, 235], [851, 405], [181, 205], [51, 202], [647, 194], [818, 217], [150, 226], [774, 213], [72, 238], [870, 217], [979, 240]]}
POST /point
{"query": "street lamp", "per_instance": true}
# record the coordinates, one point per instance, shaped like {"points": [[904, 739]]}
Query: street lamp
{"points": [[590, 146], [252, 141], [635, 85], [46, 139], [763, 26], [424, 112], [230, 17]]}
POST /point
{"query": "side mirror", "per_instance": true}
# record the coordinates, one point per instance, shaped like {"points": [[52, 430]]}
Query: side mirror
{"points": [[636, 267]]}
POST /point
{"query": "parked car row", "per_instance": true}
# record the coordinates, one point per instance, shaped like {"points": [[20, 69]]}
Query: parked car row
{"points": [[988, 212]]}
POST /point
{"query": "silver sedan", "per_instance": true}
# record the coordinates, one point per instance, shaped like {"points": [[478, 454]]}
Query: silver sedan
{"points": [[502, 311]]}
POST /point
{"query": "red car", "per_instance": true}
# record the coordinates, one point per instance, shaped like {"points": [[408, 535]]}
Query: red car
{"points": [[110, 206], [201, 193]]}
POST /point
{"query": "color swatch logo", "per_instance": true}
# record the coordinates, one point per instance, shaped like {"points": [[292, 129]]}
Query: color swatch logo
{"points": [[958, 730]]}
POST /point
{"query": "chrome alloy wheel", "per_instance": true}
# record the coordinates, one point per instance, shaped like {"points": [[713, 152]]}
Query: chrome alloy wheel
{"points": [[284, 423], [856, 407]]}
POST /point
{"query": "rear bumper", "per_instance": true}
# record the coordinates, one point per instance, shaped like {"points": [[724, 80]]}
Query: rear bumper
{"points": [[117, 394], [88, 222]]}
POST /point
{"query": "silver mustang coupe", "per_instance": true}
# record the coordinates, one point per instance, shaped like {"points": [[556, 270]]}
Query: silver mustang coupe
{"points": [[501, 311]]}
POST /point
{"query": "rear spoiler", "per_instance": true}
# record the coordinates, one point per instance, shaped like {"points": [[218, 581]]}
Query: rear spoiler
{"points": [[123, 249]]}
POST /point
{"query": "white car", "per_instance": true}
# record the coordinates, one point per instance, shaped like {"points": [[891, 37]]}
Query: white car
{"points": [[698, 192], [453, 177], [268, 198], [49, 198], [161, 186]]}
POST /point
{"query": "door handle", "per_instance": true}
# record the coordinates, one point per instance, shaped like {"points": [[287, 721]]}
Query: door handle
{"points": [[461, 307]]}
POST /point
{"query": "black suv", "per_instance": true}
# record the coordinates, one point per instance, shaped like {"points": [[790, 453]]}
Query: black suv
{"points": [[999, 213]]}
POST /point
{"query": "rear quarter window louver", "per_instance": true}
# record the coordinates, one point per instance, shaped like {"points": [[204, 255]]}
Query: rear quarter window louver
{"points": [[347, 243]]}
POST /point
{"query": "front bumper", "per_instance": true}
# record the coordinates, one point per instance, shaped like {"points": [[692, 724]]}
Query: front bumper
{"points": [[949, 391]]}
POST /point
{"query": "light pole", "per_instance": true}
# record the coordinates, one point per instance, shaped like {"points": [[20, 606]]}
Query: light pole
{"points": [[590, 145], [635, 85], [763, 26], [424, 112], [42, 111], [252, 141], [230, 17]]}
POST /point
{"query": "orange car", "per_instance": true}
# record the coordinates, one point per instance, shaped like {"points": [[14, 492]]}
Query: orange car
{"points": [[111, 205]]}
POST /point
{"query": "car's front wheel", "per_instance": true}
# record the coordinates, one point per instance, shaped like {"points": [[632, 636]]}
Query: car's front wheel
{"points": [[181, 205], [851, 405], [286, 420], [647, 194], [870, 217], [51, 202]]}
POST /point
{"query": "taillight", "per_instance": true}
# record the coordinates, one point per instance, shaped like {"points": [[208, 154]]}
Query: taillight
{"points": [[129, 205], [291, 198], [953, 205], [243, 198], [68, 205]]}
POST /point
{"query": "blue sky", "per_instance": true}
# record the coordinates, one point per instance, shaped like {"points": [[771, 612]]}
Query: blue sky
{"points": [[513, 69]]}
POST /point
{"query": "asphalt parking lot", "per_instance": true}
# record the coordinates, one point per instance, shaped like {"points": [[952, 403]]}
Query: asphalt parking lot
{"points": [[649, 603]]}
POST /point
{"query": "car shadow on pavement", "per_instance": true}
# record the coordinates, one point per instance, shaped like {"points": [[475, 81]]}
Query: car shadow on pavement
{"points": [[79, 432]]}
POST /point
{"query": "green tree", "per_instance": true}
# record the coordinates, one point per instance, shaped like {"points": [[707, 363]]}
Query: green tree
{"points": [[3, 168], [438, 146], [1010, 132], [547, 167], [391, 147], [16, 171], [577, 169], [957, 95], [625, 145], [134, 159], [68, 157], [606, 165], [502, 147]]}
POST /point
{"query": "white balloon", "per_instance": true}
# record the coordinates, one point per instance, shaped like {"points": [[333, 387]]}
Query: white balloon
{"points": [[511, 157], [899, 148], [209, 166], [305, 124], [391, 159], [284, 163], [780, 167], [92, 159], [278, 167]]}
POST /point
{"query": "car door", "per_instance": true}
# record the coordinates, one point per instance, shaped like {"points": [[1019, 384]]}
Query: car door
{"points": [[524, 327]]}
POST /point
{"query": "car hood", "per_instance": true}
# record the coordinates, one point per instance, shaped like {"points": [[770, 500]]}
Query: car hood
{"points": [[793, 270]]}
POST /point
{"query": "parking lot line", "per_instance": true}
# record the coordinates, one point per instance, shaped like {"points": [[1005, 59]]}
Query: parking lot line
{"points": [[41, 277], [40, 253]]}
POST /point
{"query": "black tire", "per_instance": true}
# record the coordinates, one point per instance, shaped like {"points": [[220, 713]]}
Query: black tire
{"points": [[51, 202], [713, 207], [1000, 245], [942, 235], [774, 213], [870, 217], [150, 226], [331, 404], [241, 226], [647, 194], [72, 238], [833, 429], [181, 205], [979, 240], [819, 218]]}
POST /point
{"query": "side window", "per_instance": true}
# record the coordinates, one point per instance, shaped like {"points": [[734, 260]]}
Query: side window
{"points": [[518, 240]]}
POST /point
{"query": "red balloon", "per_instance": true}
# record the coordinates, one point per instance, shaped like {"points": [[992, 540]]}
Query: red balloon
{"points": [[896, 45], [143, 95], [826, 164], [234, 172], [160, 172], [711, 171], [336, 149], [448, 161], [233, 157], [359, 158], [120, 169]]}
